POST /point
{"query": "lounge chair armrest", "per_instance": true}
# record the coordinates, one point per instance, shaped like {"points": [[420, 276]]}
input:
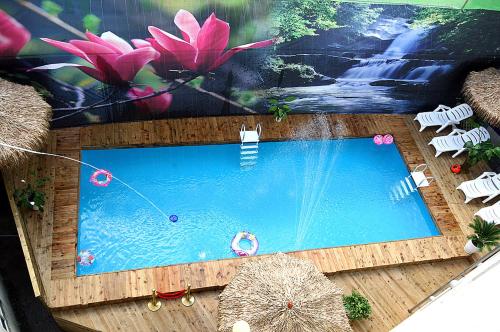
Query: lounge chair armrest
{"points": [[457, 131], [489, 198], [486, 175], [441, 108]]}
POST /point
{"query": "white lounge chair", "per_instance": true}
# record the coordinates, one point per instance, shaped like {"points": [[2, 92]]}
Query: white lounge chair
{"points": [[490, 214], [456, 140], [444, 116], [487, 184]]}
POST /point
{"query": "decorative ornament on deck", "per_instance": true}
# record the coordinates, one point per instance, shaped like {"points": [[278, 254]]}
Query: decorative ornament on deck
{"points": [[94, 178], [85, 258], [456, 168]]}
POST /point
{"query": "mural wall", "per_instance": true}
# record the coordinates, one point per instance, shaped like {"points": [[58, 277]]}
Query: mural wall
{"points": [[116, 60]]}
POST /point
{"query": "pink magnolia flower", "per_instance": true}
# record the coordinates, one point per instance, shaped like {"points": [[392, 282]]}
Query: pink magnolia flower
{"points": [[13, 36], [202, 49], [158, 104], [114, 61], [165, 62]]}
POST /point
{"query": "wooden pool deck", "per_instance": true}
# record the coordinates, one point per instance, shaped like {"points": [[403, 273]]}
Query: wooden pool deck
{"points": [[51, 236]]}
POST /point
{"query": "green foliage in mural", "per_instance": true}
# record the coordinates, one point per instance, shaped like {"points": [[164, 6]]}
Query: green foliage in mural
{"points": [[357, 16], [91, 23], [293, 19], [244, 97], [277, 65], [51, 7], [459, 31]]}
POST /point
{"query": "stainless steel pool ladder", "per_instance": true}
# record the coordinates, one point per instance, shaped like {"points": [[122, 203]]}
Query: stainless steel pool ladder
{"points": [[249, 148]]}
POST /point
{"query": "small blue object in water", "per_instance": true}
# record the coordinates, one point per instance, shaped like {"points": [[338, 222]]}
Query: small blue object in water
{"points": [[173, 218]]}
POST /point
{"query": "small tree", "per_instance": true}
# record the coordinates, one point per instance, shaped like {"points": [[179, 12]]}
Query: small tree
{"points": [[481, 151], [486, 235], [31, 196], [356, 306], [279, 108]]}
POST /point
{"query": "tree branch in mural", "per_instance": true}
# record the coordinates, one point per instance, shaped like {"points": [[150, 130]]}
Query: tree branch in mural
{"points": [[115, 62], [13, 35]]}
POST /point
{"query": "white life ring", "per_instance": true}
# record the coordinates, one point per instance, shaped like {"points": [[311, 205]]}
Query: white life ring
{"points": [[235, 244]]}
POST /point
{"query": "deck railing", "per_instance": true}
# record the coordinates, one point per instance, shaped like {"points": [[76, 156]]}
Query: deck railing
{"points": [[441, 290]]}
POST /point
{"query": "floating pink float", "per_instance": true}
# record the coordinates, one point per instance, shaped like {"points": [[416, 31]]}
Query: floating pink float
{"points": [[85, 258], [235, 244], [388, 139], [378, 139], [101, 183]]}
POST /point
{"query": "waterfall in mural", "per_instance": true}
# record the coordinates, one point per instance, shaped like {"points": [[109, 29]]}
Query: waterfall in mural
{"points": [[379, 81], [391, 64]]}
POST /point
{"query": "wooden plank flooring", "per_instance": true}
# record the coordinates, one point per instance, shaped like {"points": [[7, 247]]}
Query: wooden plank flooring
{"points": [[391, 292], [55, 234]]}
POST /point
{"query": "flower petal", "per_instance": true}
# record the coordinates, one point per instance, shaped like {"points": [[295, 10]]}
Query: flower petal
{"points": [[93, 50], [188, 25], [13, 35], [55, 66], [98, 40], [116, 41], [127, 65], [212, 40], [184, 52], [138, 43], [156, 104], [68, 48], [226, 56]]}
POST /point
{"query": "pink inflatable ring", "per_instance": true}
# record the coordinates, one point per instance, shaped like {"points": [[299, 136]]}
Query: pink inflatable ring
{"points": [[388, 139], [235, 244], [101, 183], [378, 139]]}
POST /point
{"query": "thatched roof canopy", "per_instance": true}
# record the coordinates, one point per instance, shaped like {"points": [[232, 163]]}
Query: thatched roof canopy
{"points": [[482, 91], [281, 293], [24, 121]]}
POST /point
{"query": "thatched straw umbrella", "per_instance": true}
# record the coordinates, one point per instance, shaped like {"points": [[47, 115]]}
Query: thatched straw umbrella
{"points": [[281, 293], [24, 121], [482, 91]]}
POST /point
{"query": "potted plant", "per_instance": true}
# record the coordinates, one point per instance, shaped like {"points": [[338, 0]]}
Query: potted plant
{"points": [[356, 306], [486, 235], [31, 197], [481, 151], [279, 108]]}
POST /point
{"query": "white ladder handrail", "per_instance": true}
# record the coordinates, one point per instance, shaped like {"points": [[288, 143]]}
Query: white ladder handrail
{"points": [[416, 169], [258, 128], [242, 129]]}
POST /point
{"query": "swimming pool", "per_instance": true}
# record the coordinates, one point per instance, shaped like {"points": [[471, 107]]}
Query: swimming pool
{"points": [[300, 195]]}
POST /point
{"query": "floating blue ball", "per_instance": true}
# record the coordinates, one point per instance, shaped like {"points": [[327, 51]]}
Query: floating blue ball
{"points": [[173, 218]]}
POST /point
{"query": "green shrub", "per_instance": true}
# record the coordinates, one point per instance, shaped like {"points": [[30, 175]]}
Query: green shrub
{"points": [[31, 197], [481, 151], [356, 306], [486, 235]]}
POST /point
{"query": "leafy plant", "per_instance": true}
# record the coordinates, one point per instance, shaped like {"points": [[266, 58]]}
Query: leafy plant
{"points": [[486, 235], [51, 8], [279, 108], [91, 23], [277, 65], [356, 306], [293, 19], [31, 196], [481, 151]]}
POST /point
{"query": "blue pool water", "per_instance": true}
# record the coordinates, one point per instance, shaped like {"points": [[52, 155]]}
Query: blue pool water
{"points": [[300, 195]]}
